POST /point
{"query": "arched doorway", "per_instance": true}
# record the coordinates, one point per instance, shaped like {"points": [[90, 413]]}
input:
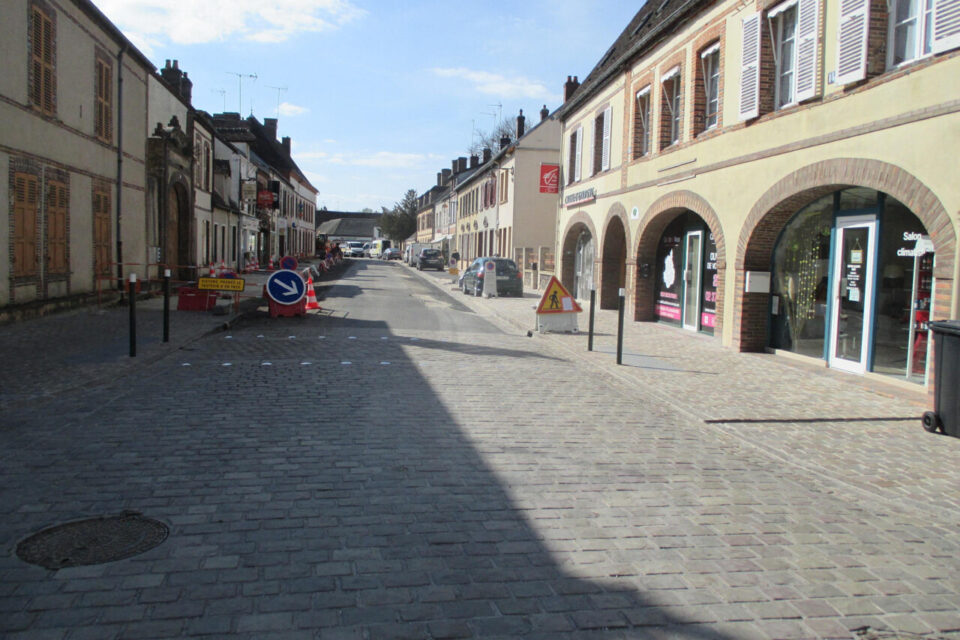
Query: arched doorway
{"points": [[576, 268], [177, 233], [613, 272]]}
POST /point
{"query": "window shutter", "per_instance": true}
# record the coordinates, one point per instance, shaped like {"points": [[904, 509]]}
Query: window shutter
{"points": [[946, 25], [750, 68], [48, 78], [807, 44], [576, 165], [852, 41], [605, 154]]}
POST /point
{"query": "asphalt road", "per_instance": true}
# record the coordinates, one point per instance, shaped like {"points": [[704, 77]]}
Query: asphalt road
{"points": [[399, 467]]}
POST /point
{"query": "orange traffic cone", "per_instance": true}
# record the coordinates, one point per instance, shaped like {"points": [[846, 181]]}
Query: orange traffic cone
{"points": [[223, 267], [213, 272], [311, 295], [270, 266]]}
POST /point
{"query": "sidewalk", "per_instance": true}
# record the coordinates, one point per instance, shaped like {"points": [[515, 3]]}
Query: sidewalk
{"points": [[859, 436]]}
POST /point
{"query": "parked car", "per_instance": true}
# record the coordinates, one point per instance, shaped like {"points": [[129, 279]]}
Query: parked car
{"points": [[430, 258], [509, 278], [366, 249], [352, 249], [391, 253]]}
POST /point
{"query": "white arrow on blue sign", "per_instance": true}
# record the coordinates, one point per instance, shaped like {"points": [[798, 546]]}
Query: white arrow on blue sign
{"points": [[286, 287]]}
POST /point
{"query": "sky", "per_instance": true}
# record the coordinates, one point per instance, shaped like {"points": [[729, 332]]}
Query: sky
{"points": [[377, 96]]}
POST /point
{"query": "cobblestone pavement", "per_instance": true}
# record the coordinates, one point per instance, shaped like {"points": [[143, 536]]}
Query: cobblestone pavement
{"points": [[329, 477]]}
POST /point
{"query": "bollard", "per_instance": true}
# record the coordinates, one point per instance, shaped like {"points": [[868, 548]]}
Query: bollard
{"points": [[593, 300], [620, 305], [133, 315], [166, 305]]}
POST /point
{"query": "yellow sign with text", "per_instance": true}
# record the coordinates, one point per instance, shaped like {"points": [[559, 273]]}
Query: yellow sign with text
{"points": [[221, 284]]}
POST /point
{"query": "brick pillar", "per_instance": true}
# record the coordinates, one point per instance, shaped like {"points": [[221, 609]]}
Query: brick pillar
{"points": [[749, 317]]}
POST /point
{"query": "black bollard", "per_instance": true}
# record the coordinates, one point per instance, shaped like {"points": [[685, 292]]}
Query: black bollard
{"points": [[620, 305], [593, 300], [166, 305], [133, 314]]}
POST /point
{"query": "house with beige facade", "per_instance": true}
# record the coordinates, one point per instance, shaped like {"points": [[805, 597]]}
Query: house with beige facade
{"points": [[776, 174]]}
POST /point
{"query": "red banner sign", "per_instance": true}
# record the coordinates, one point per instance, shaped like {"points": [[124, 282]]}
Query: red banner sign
{"points": [[265, 199], [549, 178]]}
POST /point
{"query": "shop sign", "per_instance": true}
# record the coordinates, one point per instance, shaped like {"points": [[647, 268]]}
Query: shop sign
{"points": [[579, 197], [549, 178], [922, 246], [265, 199], [249, 190], [708, 308]]}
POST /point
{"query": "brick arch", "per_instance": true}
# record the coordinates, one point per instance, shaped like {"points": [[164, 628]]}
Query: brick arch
{"points": [[612, 255], [781, 201], [660, 214], [575, 224]]}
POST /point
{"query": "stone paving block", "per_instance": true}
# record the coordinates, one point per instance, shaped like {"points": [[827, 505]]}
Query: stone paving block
{"points": [[449, 629]]}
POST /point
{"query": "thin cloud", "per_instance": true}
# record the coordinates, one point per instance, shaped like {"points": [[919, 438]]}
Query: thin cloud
{"points": [[152, 22], [287, 109], [496, 84]]}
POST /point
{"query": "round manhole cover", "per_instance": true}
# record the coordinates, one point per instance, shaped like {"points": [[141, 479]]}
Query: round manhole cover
{"points": [[92, 541]]}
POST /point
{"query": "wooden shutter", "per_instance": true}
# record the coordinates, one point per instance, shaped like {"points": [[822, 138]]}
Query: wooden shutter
{"points": [[104, 111], [946, 25], [750, 68], [852, 41], [56, 227], [48, 78], [25, 205], [577, 155], [101, 232], [807, 44], [605, 154]]}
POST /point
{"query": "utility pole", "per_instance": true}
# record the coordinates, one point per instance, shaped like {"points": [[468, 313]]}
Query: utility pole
{"points": [[279, 91], [240, 77]]}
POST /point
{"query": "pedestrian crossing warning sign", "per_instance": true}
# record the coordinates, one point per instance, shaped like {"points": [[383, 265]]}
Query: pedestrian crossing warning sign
{"points": [[556, 299]]}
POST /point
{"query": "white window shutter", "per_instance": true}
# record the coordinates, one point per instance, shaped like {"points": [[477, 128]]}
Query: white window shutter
{"points": [[750, 68], [946, 25], [605, 152], [852, 41], [578, 155], [807, 45]]}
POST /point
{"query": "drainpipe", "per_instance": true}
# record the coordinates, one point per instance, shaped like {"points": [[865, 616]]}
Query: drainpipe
{"points": [[123, 50]]}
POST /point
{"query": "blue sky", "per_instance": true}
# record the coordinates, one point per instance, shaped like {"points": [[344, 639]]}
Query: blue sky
{"points": [[377, 95]]}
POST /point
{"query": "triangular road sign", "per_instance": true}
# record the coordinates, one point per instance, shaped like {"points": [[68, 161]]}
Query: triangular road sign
{"points": [[556, 299]]}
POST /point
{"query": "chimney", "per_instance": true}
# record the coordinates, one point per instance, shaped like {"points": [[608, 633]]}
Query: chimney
{"points": [[474, 161], [446, 173], [270, 124], [487, 154], [286, 145], [455, 166], [461, 164], [520, 123], [570, 87], [186, 88], [544, 113], [504, 142], [171, 76]]}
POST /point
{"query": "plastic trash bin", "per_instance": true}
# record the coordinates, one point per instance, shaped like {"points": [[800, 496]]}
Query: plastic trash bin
{"points": [[945, 416]]}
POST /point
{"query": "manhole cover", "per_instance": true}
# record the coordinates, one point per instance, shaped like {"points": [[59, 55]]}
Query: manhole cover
{"points": [[92, 541]]}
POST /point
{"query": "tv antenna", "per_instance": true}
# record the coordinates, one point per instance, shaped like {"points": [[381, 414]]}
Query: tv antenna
{"points": [[499, 113], [240, 77], [279, 91]]}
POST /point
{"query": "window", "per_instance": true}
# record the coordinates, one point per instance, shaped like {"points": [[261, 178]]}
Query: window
{"points": [[911, 30], [710, 68], [101, 230], [503, 185], [793, 30], [201, 164], [576, 146], [671, 112], [56, 227], [103, 125], [25, 206], [601, 141], [641, 123], [42, 75]]}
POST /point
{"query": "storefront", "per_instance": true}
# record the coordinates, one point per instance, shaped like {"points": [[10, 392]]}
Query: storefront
{"points": [[583, 266], [851, 284], [686, 276]]}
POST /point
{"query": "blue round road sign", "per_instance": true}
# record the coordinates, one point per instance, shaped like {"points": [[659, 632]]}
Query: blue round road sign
{"points": [[286, 287]]}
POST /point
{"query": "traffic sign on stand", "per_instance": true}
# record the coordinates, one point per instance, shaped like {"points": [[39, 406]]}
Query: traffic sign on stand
{"points": [[286, 287], [289, 262], [490, 279], [557, 310]]}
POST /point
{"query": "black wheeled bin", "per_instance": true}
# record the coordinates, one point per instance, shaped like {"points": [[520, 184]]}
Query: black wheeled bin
{"points": [[945, 416]]}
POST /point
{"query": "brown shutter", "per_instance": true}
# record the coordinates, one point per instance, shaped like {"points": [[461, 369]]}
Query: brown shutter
{"points": [[48, 78], [25, 225], [56, 227]]}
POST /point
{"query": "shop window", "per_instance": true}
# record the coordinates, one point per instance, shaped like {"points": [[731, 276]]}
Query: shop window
{"points": [[641, 123], [799, 283]]}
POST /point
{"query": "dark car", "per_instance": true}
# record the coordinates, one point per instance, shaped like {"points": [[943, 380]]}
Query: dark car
{"points": [[430, 258], [390, 254], [509, 278]]}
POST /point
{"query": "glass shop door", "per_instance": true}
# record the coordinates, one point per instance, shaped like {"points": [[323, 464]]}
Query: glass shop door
{"points": [[853, 285]]}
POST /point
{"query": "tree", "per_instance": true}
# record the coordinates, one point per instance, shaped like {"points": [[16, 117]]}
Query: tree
{"points": [[491, 139], [401, 221]]}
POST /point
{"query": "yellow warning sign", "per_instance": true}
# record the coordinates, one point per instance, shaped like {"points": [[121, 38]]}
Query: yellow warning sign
{"points": [[556, 299], [221, 284]]}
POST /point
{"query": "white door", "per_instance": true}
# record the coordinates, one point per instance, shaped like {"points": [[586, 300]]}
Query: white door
{"points": [[853, 270], [692, 270]]}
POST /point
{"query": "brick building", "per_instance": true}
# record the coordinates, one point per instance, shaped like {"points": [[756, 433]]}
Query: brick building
{"points": [[774, 174]]}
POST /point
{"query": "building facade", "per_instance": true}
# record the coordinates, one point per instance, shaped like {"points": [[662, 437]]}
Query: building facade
{"points": [[773, 174]]}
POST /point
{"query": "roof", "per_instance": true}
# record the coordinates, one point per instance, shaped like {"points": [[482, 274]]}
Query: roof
{"points": [[357, 227], [651, 23]]}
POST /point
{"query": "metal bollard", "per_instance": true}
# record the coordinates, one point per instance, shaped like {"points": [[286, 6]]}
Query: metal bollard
{"points": [[166, 305], [620, 306], [593, 300], [133, 314]]}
